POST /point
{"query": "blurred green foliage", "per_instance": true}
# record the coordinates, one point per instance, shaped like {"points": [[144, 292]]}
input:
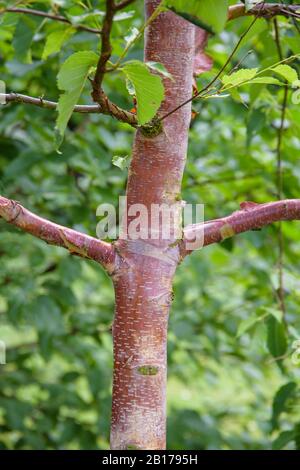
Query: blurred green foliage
{"points": [[224, 391]]}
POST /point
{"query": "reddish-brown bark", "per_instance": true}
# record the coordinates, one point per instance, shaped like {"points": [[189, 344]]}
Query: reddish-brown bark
{"points": [[252, 216], [142, 270], [143, 280], [76, 242]]}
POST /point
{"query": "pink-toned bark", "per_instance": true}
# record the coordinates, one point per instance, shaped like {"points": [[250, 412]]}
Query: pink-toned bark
{"points": [[252, 216], [77, 243], [142, 270], [143, 281]]}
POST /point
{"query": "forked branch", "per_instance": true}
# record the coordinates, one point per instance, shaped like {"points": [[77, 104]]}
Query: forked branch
{"points": [[76, 242], [252, 216]]}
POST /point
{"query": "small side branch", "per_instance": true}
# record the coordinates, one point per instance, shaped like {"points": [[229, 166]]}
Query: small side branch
{"points": [[76, 242], [264, 10], [252, 216], [50, 16], [106, 50], [42, 103], [98, 95], [107, 106]]}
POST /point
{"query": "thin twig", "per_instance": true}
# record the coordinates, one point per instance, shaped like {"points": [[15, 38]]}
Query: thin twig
{"points": [[42, 103], [109, 108], [207, 87], [50, 16], [279, 173]]}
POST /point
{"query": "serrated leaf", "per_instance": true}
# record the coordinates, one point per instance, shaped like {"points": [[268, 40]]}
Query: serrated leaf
{"points": [[210, 15], [287, 72], [55, 41], [148, 87], [280, 401], [71, 79], [238, 77]]}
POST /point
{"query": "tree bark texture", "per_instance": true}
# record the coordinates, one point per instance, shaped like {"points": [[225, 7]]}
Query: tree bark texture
{"points": [[143, 277]]}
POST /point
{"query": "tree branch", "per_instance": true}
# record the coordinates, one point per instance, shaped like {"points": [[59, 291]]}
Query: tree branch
{"points": [[77, 243], [40, 102], [252, 216], [50, 16], [107, 107], [267, 10], [98, 95], [106, 50]]}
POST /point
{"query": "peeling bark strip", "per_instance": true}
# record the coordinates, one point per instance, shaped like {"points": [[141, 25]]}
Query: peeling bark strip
{"points": [[77, 243], [143, 279]]}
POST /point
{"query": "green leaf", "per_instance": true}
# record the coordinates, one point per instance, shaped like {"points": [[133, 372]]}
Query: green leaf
{"points": [[120, 161], [71, 78], [280, 401], [210, 15], [266, 81], [23, 38], [236, 78], [160, 68], [149, 89], [277, 342], [276, 313], [246, 324], [287, 72], [55, 41]]}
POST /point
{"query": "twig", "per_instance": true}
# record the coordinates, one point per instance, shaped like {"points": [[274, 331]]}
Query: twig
{"points": [[279, 173], [109, 108], [207, 87], [50, 16], [42, 103]]}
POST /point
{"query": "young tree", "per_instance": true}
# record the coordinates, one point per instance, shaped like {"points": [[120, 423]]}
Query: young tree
{"points": [[142, 269]]}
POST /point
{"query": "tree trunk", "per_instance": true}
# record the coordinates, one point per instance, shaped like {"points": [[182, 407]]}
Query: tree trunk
{"points": [[143, 278]]}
